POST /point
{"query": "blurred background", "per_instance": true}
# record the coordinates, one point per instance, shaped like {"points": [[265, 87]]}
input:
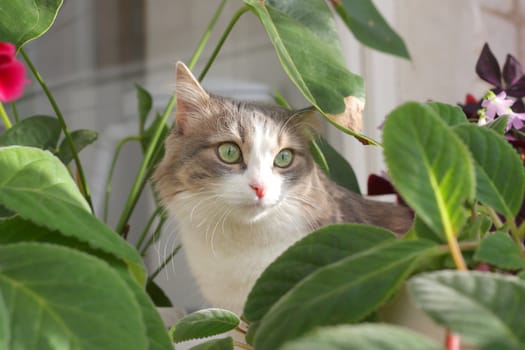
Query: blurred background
{"points": [[97, 50]]}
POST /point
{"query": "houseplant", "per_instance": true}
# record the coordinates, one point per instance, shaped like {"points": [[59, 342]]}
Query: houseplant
{"points": [[67, 280]]}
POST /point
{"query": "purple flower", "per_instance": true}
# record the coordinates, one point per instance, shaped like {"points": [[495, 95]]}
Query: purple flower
{"points": [[515, 121], [497, 105]]}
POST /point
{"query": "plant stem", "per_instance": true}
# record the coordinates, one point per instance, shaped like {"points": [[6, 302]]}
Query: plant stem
{"points": [[147, 227], [455, 251], [223, 38], [166, 262], [494, 217], [514, 232], [145, 167], [5, 117], [153, 238], [83, 183], [15, 112], [205, 37], [118, 149]]}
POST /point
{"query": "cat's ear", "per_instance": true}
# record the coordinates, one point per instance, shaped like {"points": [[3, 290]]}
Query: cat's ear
{"points": [[308, 121], [191, 96]]}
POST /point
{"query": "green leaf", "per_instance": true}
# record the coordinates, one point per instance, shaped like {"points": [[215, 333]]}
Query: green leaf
{"points": [[157, 295], [38, 131], [320, 248], [37, 185], [57, 297], [451, 115], [369, 27], [338, 169], [423, 231], [499, 250], [204, 323], [25, 20], [156, 332], [362, 336], [495, 160], [81, 139], [145, 103], [5, 213], [430, 167], [306, 41], [499, 124], [16, 229], [343, 292], [147, 137], [215, 344], [5, 327], [481, 307]]}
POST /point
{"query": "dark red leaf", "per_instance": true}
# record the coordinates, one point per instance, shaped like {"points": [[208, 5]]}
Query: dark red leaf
{"points": [[512, 71], [487, 67], [517, 89]]}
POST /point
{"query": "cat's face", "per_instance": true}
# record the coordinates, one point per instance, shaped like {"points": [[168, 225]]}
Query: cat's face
{"points": [[249, 158]]}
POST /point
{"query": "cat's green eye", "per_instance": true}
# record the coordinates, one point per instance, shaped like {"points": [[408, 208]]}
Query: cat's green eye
{"points": [[283, 159], [229, 152]]}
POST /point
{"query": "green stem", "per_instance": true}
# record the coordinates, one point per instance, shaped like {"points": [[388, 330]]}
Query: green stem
{"points": [[154, 237], [145, 167], [147, 227], [166, 262], [494, 217], [83, 183], [15, 112], [205, 37], [5, 117], [223, 38], [118, 149], [514, 232]]}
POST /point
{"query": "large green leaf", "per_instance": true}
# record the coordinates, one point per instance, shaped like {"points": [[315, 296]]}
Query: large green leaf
{"points": [[37, 131], [81, 139], [204, 323], [369, 27], [360, 337], [320, 248], [58, 298], [24, 20], [37, 185], [451, 115], [306, 41], [343, 292], [482, 307], [5, 327], [430, 166], [500, 177], [501, 251]]}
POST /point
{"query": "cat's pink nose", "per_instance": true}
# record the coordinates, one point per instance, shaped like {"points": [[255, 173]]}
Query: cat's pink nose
{"points": [[259, 190]]}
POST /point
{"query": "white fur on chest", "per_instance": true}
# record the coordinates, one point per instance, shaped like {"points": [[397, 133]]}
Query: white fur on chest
{"points": [[227, 256]]}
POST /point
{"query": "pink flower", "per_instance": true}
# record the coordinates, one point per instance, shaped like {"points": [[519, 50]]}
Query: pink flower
{"points": [[12, 74], [497, 105], [515, 120]]}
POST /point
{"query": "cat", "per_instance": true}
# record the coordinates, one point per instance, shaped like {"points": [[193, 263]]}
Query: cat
{"points": [[240, 182]]}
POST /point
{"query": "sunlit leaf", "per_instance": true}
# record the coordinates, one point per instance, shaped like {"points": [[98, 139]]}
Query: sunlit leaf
{"points": [[430, 167], [36, 185], [25, 20], [58, 298], [343, 292], [360, 337], [481, 307]]}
